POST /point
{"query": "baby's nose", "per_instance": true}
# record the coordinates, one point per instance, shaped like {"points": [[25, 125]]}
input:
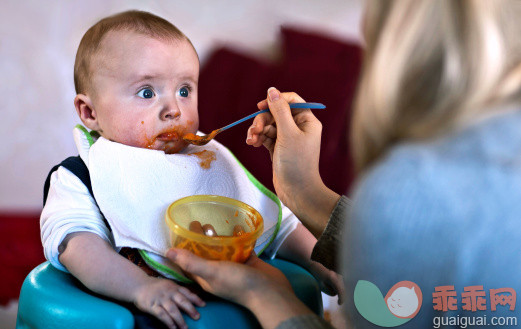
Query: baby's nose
{"points": [[170, 112]]}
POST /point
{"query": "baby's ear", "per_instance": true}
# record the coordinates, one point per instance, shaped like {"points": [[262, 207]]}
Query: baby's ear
{"points": [[86, 112]]}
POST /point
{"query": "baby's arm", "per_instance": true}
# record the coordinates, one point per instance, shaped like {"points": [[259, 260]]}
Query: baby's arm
{"points": [[74, 235], [297, 247], [96, 264]]}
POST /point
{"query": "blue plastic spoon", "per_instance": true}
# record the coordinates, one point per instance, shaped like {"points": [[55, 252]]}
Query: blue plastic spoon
{"points": [[204, 139]]}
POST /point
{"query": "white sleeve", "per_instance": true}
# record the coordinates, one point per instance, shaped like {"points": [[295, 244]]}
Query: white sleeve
{"points": [[69, 208], [288, 224]]}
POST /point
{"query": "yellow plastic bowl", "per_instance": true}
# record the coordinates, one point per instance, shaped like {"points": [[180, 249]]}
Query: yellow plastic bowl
{"points": [[223, 214]]}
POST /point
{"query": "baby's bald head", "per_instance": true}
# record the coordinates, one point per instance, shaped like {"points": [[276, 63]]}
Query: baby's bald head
{"points": [[133, 21]]}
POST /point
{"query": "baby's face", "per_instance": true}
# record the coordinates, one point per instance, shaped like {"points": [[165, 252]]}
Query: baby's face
{"points": [[145, 90]]}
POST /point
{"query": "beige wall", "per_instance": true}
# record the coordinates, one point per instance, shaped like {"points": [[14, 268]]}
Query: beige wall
{"points": [[38, 41]]}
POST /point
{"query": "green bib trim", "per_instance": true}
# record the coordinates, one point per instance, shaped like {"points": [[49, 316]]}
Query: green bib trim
{"points": [[89, 135], [163, 268]]}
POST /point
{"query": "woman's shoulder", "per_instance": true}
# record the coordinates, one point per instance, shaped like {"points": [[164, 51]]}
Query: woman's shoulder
{"points": [[406, 168], [410, 179], [469, 175]]}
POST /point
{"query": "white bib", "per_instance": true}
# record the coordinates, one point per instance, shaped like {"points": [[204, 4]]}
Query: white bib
{"points": [[133, 187]]}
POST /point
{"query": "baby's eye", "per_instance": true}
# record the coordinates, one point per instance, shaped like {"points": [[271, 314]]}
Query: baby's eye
{"points": [[184, 92], [146, 93]]}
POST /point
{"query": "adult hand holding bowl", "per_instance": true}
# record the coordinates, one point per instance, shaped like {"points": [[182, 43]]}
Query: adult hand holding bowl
{"points": [[210, 227]]}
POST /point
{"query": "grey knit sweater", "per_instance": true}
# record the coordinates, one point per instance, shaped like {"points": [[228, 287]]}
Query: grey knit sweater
{"points": [[445, 212]]}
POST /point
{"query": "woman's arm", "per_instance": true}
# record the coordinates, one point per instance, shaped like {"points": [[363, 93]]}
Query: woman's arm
{"points": [[327, 249]]}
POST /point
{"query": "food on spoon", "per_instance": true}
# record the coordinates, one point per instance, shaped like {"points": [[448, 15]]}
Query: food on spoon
{"points": [[200, 140]]}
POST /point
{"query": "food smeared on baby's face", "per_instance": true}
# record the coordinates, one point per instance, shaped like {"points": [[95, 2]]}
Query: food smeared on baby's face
{"points": [[205, 157], [170, 140], [145, 88]]}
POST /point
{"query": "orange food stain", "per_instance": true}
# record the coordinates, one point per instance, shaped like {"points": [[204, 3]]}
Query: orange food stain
{"points": [[236, 213], [206, 157], [142, 122], [170, 136], [227, 222]]}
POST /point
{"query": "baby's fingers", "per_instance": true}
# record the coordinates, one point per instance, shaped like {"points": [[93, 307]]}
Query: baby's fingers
{"points": [[192, 297], [175, 315], [181, 301], [162, 314]]}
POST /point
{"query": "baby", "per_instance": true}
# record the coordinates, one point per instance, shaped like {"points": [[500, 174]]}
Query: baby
{"points": [[136, 79]]}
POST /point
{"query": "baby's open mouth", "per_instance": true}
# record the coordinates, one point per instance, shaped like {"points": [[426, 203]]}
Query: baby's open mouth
{"points": [[169, 136]]}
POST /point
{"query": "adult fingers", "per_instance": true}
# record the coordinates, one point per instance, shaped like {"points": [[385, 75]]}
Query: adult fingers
{"points": [[341, 292], [280, 110], [191, 263], [290, 97], [269, 132], [304, 118], [254, 135], [257, 127]]}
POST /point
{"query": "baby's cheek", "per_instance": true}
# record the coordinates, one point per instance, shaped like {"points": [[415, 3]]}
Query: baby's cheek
{"points": [[192, 125], [132, 139]]}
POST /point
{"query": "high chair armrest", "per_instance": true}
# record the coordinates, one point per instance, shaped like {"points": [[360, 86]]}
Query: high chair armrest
{"points": [[50, 298]]}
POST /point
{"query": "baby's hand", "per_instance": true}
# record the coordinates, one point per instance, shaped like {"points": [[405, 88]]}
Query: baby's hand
{"points": [[163, 298], [330, 282]]}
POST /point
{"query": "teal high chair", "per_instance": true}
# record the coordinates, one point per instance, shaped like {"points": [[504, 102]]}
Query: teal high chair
{"points": [[50, 298]]}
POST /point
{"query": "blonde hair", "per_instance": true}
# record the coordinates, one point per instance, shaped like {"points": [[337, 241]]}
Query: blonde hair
{"points": [[430, 67], [132, 20]]}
